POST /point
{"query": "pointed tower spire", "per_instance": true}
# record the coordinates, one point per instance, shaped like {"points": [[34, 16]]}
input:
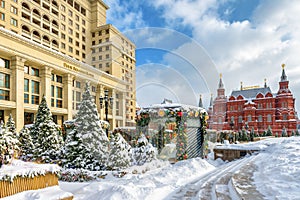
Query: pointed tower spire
{"points": [[221, 85], [200, 102], [283, 75], [265, 83]]}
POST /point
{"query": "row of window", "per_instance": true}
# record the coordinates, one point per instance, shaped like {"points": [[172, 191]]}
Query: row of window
{"points": [[76, 5], [100, 32], [106, 48], [47, 7], [259, 106], [249, 118], [259, 118], [100, 57]]}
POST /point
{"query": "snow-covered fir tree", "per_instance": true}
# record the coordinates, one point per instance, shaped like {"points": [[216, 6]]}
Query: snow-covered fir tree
{"points": [[25, 145], [92, 151], [74, 151], [119, 155], [10, 125], [46, 135], [144, 152], [8, 145]]}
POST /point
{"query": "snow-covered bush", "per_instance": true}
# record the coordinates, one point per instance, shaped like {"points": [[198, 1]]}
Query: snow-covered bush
{"points": [[144, 152], [80, 175]]}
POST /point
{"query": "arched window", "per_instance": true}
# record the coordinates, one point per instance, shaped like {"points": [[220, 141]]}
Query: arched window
{"points": [[220, 120], [25, 28], [35, 11], [54, 3], [45, 17], [36, 34], [55, 43], [46, 38], [25, 5], [269, 118], [260, 118], [249, 118], [55, 23], [232, 118], [284, 116], [240, 119], [284, 104]]}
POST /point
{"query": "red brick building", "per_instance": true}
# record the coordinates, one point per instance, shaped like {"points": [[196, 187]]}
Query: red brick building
{"points": [[254, 107]]}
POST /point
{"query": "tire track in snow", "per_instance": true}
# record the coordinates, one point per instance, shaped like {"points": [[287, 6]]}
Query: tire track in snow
{"points": [[214, 185]]}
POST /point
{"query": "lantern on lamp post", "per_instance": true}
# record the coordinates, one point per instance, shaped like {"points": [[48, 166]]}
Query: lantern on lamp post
{"points": [[106, 102]]}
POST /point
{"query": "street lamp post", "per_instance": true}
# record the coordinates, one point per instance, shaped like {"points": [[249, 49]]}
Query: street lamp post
{"points": [[108, 101]]}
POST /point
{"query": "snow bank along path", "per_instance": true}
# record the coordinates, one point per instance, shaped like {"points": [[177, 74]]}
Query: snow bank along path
{"points": [[155, 184]]}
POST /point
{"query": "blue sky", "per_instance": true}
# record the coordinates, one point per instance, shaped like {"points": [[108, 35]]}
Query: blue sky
{"points": [[182, 45]]}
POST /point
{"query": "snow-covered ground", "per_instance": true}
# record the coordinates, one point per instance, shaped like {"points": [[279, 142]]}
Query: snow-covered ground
{"points": [[276, 176]]}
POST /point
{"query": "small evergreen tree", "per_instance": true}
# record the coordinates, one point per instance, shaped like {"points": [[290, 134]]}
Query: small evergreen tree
{"points": [[293, 133], [283, 132], [8, 145], [269, 131], [25, 144], [244, 135], [74, 151], [144, 152], [11, 125], [90, 147], [119, 155], [46, 135], [297, 132]]}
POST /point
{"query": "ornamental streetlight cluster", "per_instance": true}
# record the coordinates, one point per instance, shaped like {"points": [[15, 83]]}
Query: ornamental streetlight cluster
{"points": [[106, 102]]}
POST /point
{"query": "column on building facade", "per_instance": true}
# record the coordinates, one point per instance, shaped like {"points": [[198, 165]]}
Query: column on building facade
{"points": [[67, 94], [123, 111], [100, 93], [46, 83], [17, 90], [113, 109]]}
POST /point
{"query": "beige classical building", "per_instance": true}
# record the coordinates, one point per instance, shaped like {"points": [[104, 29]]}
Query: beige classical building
{"points": [[52, 47]]}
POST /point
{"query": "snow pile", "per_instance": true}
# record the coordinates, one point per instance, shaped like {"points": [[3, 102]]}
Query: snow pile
{"points": [[49, 193], [154, 184], [26, 169], [278, 172]]}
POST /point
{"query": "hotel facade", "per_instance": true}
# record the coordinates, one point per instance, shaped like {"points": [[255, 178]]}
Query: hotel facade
{"points": [[51, 48]]}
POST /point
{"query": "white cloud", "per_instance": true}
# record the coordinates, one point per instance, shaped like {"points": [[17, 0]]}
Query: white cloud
{"points": [[248, 50], [125, 15]]}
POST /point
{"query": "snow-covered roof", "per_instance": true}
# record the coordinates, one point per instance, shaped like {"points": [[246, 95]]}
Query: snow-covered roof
{"points": [[251, 93], [185, 107]]}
